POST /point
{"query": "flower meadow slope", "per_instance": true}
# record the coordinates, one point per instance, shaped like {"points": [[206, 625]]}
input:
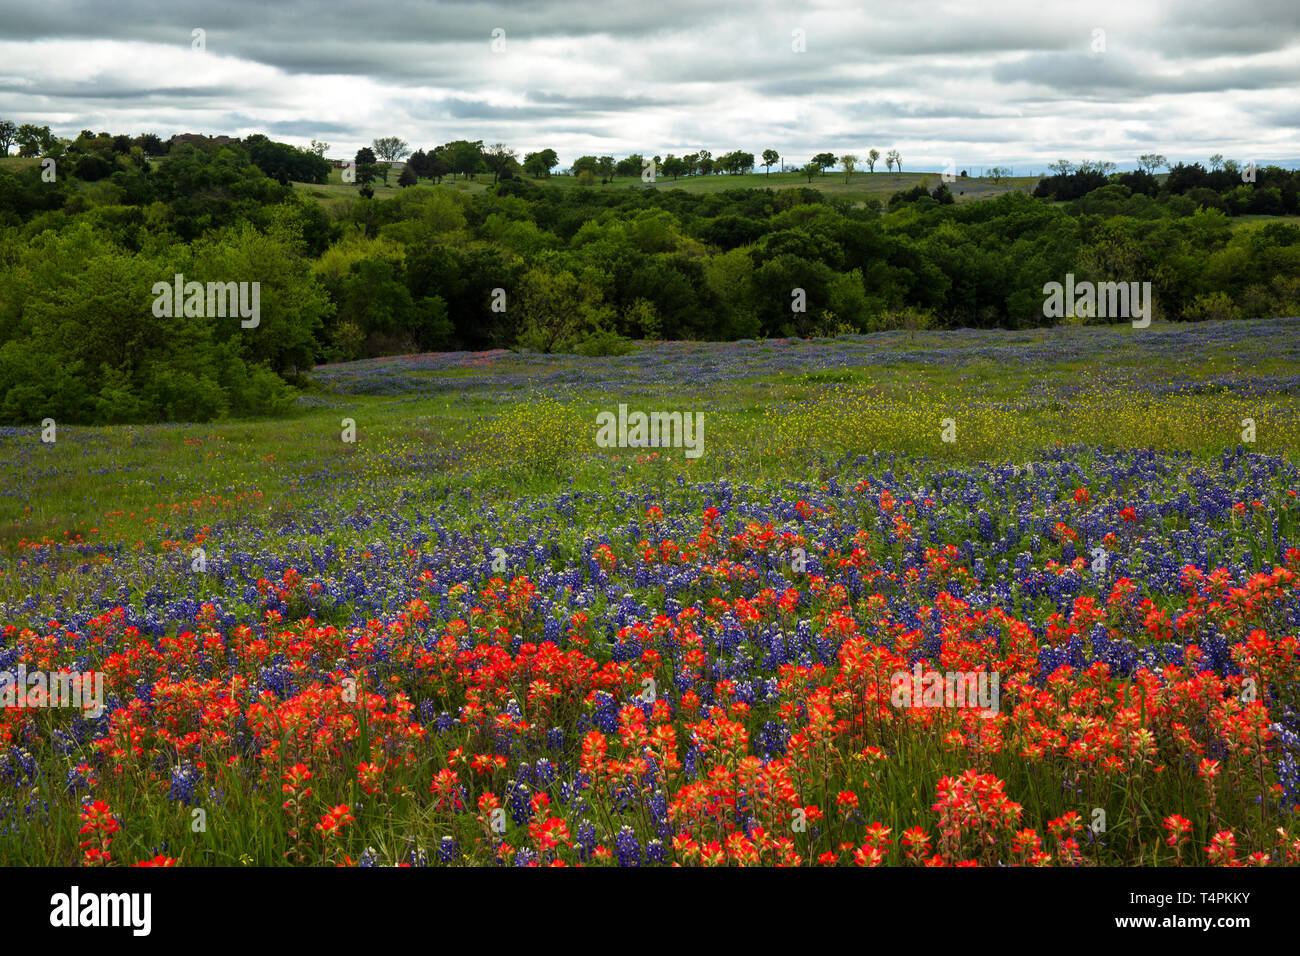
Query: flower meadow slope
{"points": [[1085, 658]]}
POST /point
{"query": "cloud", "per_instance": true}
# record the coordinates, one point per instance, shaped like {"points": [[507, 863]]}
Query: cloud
{"points": [[1020, 83]]}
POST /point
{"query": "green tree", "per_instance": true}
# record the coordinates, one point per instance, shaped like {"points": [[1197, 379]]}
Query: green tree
{"points": [[557, 310], [391, 148], [498, 158], [539, 164]]}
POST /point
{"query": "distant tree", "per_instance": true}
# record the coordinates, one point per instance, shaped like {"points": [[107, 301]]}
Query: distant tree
{"points": [[585, 163], [811, 169], [824, 161], [391, 148], [464, 157], [850, 163], [996, 173], [630, 166], [408, 177], [498, 157], [1150, 162], [539, 164], [605, 166], [150, 144], [735, 162], [873, 157], [586, 177], [1062, 167], [1216, 161], [893, 159], [284, 162], [418, 162], [34, 140], [675, 166], [437, 165], [366, 169], [319, 148], [770, 158], [7, 132]]}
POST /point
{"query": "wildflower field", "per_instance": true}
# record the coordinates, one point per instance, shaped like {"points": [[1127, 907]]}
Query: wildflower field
{"points": [[429, 620]]}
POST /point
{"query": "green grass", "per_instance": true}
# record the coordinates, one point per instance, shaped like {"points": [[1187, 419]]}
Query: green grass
{"points": [[860, 186], [763, 425]]}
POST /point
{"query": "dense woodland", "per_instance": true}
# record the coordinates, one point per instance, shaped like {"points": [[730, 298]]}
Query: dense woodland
{"points": [[529, 264]]}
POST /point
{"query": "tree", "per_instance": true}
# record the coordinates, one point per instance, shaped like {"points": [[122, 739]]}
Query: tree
{"points": [[391, 148], [893, 159], [1216, 161], [872, 158], [437, 165], [850, 163], [34, 140], [319, 148], [498, 157], [605, 166], [463, 156], [539, 164], [150, 144], [408, 177], [996, 173], [283, 162], [1150, 162], [585, 164], [365, 163], [630, 166], [7, 132], [556, 309], [824, 161], [675, 166], [811, 169], [770, 158]]}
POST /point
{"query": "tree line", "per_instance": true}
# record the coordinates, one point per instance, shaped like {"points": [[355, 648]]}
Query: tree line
{"points": [[526, 265]]}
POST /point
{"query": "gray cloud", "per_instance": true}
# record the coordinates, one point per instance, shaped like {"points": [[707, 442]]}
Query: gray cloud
{"points": [[1019, 83]]}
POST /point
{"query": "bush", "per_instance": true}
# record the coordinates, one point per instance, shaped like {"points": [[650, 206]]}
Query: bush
{"points": [[603, 342], [1215, 307]]}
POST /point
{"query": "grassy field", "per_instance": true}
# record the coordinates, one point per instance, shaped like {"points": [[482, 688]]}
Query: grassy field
{"points": [[860, 185], [773, 407]]}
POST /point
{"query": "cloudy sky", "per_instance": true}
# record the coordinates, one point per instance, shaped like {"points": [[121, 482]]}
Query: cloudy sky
{"points": [[1014, 82]]}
